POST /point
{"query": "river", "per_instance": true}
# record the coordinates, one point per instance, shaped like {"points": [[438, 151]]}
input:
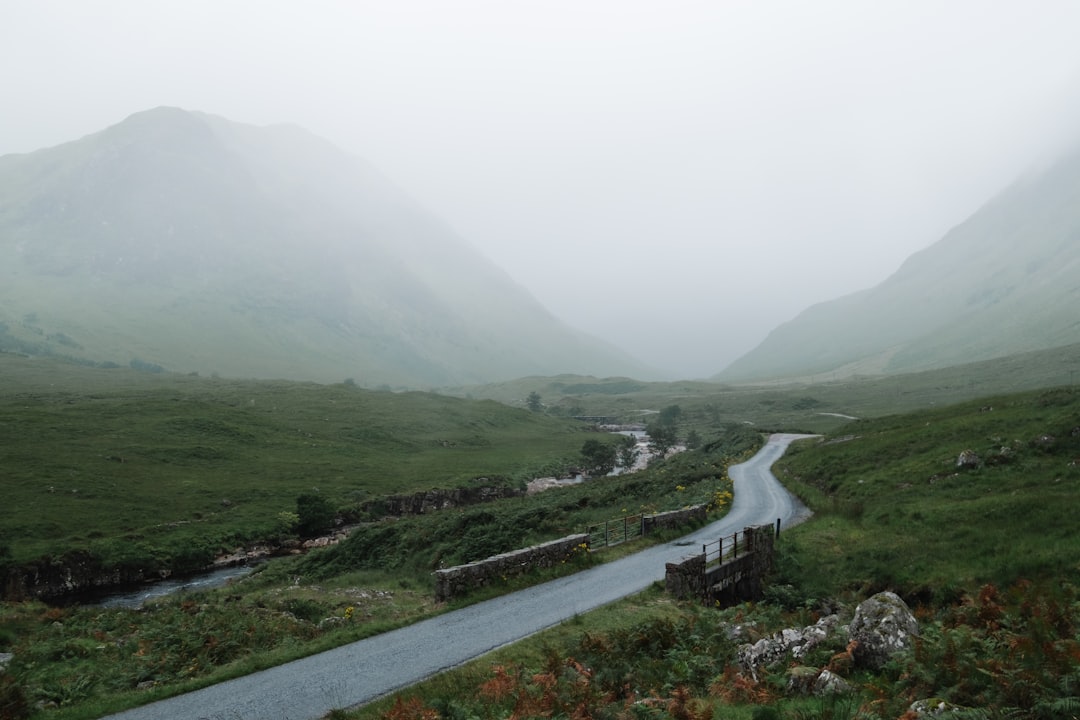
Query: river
{"points": [[159, 588]]}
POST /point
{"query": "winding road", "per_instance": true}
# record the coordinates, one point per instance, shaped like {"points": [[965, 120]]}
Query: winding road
{"points": [[354, 674]]}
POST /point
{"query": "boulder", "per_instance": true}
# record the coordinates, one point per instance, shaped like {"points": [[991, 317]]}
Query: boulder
{"points": [[805, 680], [801, 679], [883, 626], [829, 683], [968, 460]]}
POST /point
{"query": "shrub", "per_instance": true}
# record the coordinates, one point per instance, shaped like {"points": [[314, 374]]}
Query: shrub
{"points": [[314, 514]]}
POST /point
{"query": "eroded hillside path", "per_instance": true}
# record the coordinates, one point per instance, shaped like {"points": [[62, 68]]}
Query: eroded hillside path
{"points": [[354, 674]]}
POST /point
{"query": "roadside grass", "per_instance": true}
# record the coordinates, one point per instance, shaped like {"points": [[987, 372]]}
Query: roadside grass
{"points": [[645, 632]]}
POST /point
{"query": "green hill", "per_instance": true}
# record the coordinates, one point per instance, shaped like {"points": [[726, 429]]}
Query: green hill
{"points": [[181, 240]]}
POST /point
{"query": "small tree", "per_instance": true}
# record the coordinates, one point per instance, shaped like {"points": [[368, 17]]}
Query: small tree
{"points": [[693, 440], [661, 437], [599, 458], [533, 402], [628, 452], [670, 415], [314, 514]]}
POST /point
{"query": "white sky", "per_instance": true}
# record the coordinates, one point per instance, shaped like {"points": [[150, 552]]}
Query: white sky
{"points": [[675, 177]]}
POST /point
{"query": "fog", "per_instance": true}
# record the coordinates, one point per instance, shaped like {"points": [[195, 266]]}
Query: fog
{"points": [[677, 178]]}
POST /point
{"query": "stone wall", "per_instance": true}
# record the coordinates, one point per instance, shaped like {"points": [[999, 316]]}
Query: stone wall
{"points": [[686, 578], [672, 519], [456, 581]]}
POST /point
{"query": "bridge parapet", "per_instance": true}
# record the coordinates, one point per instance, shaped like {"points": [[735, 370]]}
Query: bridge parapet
{"points": [[725, 577]]}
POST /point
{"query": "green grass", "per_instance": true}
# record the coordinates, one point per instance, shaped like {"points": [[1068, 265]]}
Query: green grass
{"points": [[891, 511], [162, 462], [894, 510]]}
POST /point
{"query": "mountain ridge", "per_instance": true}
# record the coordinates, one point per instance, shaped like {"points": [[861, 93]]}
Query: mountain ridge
{"points": [[1002, 282], [184, 240]]}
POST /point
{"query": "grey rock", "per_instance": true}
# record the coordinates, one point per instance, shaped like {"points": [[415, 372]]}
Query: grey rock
{"points": [[883, 626], [829, 683], [968, 460], [789, 641], [805, 680], [933, 707]]}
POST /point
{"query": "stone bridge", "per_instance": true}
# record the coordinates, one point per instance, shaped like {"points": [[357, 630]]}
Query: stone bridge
{"points": [[725, 577]]}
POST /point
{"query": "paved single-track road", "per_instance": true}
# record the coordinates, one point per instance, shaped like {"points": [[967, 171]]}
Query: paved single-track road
{"points": [[365, 670]]}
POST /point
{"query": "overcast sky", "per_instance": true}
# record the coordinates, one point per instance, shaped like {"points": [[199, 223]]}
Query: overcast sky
{"points": [[675, 177]]}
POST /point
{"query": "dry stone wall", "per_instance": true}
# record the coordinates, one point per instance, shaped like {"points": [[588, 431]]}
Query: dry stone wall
{"points": [[455, 581], [673, 519]]}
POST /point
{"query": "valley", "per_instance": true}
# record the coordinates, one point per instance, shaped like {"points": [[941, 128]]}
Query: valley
{"points": [[379, 579], [221, 340]]}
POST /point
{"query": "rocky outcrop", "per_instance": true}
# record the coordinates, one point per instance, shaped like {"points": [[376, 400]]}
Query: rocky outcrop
{"points": [[788, 643], [932, 708], [72, 574], [883, 626]]}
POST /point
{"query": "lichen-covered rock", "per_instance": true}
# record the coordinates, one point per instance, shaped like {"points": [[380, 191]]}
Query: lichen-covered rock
{"points": [[789, 641], [968, 460], [829, 683], [933, 707], [805, 680], [883, 626], [801, 678]]}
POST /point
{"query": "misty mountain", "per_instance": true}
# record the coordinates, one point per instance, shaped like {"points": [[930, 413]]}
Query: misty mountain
{"points": [[181, 240], [1005, 281]]}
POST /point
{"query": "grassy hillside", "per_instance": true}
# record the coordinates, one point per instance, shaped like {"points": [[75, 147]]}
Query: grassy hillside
{"points": [[122, 463], [894, 510], [1002, 282]]}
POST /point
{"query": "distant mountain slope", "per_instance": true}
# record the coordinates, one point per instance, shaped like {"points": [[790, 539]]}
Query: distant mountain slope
{"points": [[1005, 281], [183, 240]]}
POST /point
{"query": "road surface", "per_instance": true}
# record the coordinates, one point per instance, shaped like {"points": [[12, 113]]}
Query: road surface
{"points": [[354, 674]]}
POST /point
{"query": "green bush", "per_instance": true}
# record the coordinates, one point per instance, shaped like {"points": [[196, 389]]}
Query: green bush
{"points": [[314, 513]]}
